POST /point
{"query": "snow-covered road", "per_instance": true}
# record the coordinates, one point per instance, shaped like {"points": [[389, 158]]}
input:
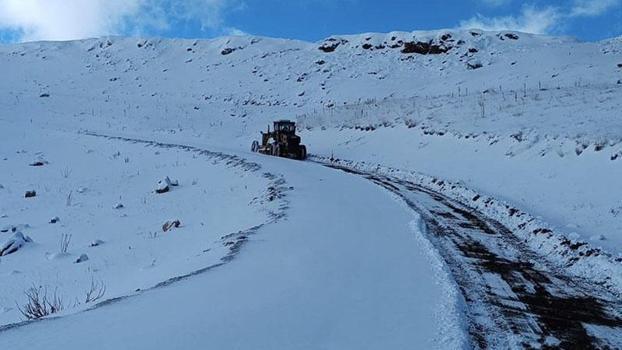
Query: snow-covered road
{"points": [[515, 298], [347, 268]]}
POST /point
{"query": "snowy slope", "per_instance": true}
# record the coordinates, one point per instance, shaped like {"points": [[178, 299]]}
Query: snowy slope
{"points": [[100, 196], [551, 102], [531, 121], [328, 274]]}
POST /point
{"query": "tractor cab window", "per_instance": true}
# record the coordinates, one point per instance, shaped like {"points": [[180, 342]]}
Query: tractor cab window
{"points": [[285, 127]]}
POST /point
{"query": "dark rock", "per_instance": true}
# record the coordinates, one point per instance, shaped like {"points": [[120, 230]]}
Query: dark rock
{"points": [[474, 65], [331, 44], [227, 51], [81, 259], [96, 243], [367, 46], [162, 190], [15, 243], [423, 48], [30, 194], [540, 231], [511, 36]]}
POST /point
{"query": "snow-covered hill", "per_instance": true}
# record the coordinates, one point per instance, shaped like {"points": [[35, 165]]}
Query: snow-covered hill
{"points": [[521, 78], [530, 121], [454, 104]]}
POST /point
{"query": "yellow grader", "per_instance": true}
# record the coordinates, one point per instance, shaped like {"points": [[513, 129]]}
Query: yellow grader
{"points": [[281, 142]]}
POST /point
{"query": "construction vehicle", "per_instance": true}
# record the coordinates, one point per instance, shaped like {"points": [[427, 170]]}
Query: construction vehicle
{"points": [[281, 142]]}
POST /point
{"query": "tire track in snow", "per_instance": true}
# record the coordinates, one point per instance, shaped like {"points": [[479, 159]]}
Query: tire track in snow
{"points": [[514, 298]]}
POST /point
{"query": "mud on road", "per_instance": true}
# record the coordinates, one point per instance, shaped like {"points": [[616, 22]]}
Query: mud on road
{"points": [[514, 297]]}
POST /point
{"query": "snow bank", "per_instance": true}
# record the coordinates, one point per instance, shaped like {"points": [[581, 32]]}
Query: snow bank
{"points": [[576, 256]]}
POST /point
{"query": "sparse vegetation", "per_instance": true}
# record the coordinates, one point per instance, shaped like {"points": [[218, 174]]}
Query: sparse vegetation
{"points": [[65, 172], [169, 225], [96, 291], [64, 243], [40, 304]]}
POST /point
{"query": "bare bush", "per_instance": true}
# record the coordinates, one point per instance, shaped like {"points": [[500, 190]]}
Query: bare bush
{"points": [[40, 304], [95, 292], [65, 172], [169, 225], [68, 201], [64, 243]]}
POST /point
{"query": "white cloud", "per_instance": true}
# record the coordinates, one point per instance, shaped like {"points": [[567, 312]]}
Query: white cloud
{"points": [[235, 31], [495, 3], [530, 20], [78, 19], [592, 8]]}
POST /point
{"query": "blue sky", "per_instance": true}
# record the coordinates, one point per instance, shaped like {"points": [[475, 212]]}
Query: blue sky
{"points": [[312, 20]]}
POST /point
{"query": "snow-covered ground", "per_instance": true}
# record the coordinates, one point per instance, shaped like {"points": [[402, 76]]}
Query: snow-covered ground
{"points": [[543, 110], [531, 121], [100, 196], [329, 274]]}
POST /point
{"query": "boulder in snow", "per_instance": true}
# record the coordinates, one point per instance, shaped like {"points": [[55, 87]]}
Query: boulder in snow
{"points": [[30, 194], [96, 243], [81, 259], [118, 206], [38, 163], [171, 182], [162, 187], [16, 242], [474, 64], [227, 51], [165, 185], [54, 220], [331, 44]]}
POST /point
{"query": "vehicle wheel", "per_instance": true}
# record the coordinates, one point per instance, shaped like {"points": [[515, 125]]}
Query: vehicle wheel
{"points": [[255, 146], [303, 152]]}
